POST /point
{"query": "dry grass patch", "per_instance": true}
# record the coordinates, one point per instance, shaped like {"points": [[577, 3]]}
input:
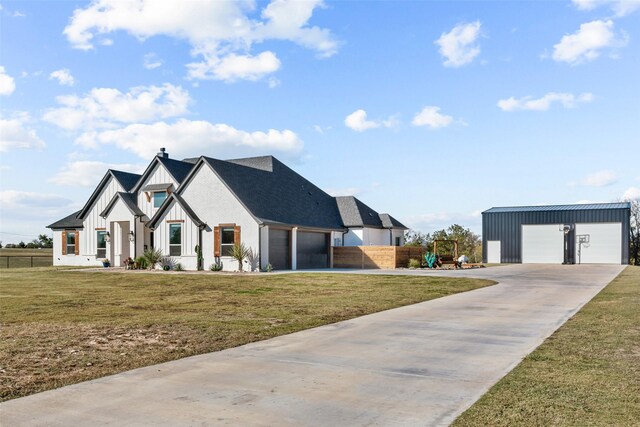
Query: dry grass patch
{"points": [[61, 327], [586, 374]]}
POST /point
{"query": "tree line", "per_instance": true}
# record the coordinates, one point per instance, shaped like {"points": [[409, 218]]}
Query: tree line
{"points": [[469, 243], [43, 241]]}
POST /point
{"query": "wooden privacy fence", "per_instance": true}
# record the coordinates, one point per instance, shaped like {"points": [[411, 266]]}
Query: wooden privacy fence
{"points": [[386, 257]]}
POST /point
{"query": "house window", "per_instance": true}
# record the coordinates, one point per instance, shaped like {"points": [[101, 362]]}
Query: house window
{"points": [[71, 242], [101, 245], [158, 198], [226, 241], [175, 239], [398, 241]]}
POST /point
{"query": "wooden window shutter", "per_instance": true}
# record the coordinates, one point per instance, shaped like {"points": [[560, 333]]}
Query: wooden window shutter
{"points": [[77, 246], [216, 241], [64, 243], [236, 235]]}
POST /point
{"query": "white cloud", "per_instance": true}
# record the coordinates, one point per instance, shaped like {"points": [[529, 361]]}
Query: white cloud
{"points": [[14, 133], [236, 67], [186, 137], [222, 33], [151, 61], [587, 43], [358, 121], [632, 193], [63, 76], [87, 173], [600, 179], [430, 116], [7, 84], [103, 107], [619, 7], [567, 100], [349, 191], [458, 46], [430, 222]]}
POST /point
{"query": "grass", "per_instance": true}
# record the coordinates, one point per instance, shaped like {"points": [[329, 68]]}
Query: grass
{"points": [[586, 374], [61, 327], [20, 257]]}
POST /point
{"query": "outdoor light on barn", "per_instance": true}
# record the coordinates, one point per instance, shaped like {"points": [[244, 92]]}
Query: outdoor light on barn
{"points": [[559, 234]]}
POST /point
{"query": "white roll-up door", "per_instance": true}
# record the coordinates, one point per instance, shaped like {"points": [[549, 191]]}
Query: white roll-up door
{"points": [[603, 243], [543, 244]]}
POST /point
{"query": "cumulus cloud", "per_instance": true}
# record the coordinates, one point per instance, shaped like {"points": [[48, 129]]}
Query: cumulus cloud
{"points": [[15, 133], [151, 61], [358, 121], [222, 33], [185, 137], [587, 43], [632, 193], [7, 83], [619, 7], [105, 107], [87, 173], [458, 47], [431, 117], [63, 76], [600, 179], [567, 100]]}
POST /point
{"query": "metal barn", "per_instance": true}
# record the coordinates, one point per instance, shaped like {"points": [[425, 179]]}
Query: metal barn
{"points": [[560, 234]]}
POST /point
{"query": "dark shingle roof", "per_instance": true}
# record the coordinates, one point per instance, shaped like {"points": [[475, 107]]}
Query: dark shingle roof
{"points": [[274, 193], [354, 213], [390, 222], [179, 170], [70, 221], [127, 180], [586, 206]]}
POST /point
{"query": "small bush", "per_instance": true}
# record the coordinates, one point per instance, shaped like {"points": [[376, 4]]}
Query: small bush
{"points": [[153, 257], [141, 262], [167, 263], [269, 268], [178, 267], [414, 263], [216, 267]]}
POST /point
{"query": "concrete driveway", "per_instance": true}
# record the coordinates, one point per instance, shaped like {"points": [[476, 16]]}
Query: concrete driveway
{"points": [[422, 364]]}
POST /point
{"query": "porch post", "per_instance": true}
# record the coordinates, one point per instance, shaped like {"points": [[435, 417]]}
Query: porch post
{"points": [[294, 248]]}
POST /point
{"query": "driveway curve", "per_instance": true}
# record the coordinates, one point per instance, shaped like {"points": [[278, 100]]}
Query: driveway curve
{"points": [[422, 364]]}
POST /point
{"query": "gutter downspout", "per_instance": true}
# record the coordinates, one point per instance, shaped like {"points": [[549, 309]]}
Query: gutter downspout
{"points": [[260, 227]]}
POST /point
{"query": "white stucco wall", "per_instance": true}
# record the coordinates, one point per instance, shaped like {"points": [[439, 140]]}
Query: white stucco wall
{"points": [[214, 204], [368, 236], [71, 259], [354, 237]]}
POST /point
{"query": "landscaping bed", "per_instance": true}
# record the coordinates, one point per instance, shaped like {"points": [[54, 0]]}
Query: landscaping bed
{"points": [[61, 327]]}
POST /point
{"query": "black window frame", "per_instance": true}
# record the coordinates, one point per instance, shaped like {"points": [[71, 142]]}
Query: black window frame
{"points": [[153, 197], [172, 246], [100, 255], [226, 249], [71, 248]]}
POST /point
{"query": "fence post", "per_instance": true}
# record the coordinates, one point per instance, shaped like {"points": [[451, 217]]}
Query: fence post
{"points": [[7, 261], [31, 261]]}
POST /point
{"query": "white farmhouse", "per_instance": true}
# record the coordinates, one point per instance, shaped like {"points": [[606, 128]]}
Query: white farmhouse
{"points": [[176, 205]]}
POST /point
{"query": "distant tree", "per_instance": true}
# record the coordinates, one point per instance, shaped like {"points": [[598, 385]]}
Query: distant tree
{"points": [[22, 244], [416, 238], [634, 233], [34, 244], [469, 243], [45, 241]]}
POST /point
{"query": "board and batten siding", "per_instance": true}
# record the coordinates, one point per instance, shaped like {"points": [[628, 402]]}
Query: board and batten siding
{"points": [[93, 220], [177, 215], [159, 175], [214, 204]]}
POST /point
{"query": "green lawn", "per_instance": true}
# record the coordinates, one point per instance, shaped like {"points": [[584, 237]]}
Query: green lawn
{"points": [[61, 327], [585, 374], [22, 257]]}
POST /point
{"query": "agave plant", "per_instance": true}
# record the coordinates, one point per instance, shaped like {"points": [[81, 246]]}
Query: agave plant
{"points": [[239, 253], [153, 257]]}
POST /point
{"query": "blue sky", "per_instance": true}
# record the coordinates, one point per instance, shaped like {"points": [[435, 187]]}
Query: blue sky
{"points": [[432, 111]]}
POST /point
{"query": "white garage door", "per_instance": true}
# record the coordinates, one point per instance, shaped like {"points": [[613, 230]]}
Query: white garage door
{"points": [[604, 243], [542, 244]]}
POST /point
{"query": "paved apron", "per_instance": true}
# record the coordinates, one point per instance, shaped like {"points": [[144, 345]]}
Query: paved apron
{"points": [[422, 364]]}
